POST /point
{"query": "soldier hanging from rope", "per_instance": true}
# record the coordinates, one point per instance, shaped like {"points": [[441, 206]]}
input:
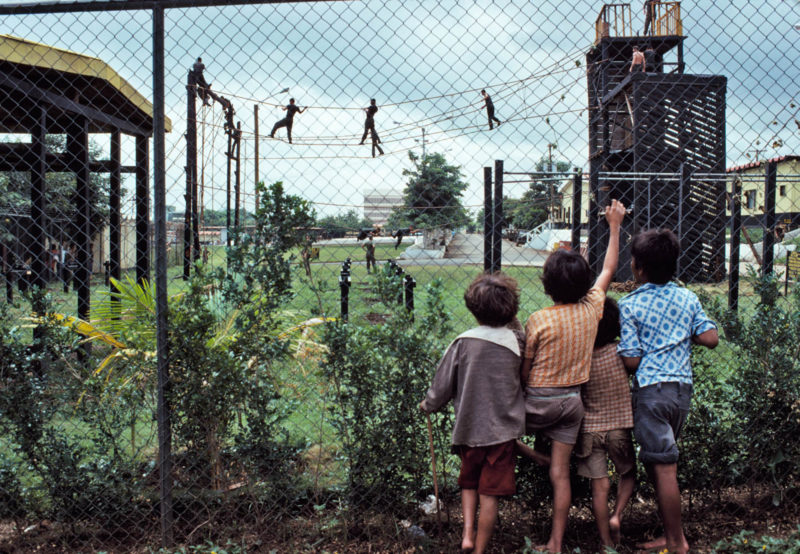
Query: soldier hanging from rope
{"points": [[369, 127], [287, 121], [200, 81], [487, 100]]}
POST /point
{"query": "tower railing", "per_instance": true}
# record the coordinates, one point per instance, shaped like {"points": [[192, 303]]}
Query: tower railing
{"points": [[615, 20]]}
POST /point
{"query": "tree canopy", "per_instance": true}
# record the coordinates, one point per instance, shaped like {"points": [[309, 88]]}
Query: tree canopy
{"points": [[432, 197]]}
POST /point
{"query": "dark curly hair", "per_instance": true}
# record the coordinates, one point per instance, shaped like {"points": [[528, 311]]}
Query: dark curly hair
{"points": [[493, 298], [655, 252], [608, 329], [567, 276]]}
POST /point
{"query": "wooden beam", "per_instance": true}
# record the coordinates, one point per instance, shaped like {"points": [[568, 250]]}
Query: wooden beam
{"points": [[68, 106]]}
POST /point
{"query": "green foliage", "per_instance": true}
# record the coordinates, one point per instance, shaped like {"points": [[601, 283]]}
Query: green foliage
{"points": [[765, 391], [338, 225], [532, 208], [746, 541], [222, 360], [59, 473], [380, 373], [711, 456], [432, 197]]}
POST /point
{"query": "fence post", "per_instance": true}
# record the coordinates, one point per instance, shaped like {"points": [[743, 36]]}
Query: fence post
{"points": [[770, 219], [736, 238], [399, 272], [191, 167], [143, 210], [410, 283], [344, 289], [487, 219], [577, 186], [160, 214], [497, 217]]}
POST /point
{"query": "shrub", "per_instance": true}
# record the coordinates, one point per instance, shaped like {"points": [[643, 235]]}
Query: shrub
{"points": [[765, 391], [380, 374]]}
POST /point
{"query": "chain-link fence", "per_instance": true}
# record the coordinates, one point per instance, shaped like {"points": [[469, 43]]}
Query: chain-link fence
{"points": [[236, 239]]}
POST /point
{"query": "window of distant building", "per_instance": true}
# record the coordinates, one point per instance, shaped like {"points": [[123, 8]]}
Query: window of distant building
{"points": [[782, 190], [750, 199]]}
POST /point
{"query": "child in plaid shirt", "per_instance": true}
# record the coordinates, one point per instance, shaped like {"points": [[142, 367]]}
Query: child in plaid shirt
{"points": [[606, 428], [558, 351]]}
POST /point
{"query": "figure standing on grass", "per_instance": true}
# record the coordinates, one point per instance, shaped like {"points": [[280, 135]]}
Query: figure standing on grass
{"points": [[287, 121], [487, 102], [558, 350], [369, 127], [659, 323], [637, 63], [369, 248], [606, 429], [480, 374]]}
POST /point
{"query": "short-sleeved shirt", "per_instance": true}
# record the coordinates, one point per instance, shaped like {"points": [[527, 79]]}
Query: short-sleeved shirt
{"points": [[658, 322], [291, 109], [371, 111], [560, 339], [606, 395]]}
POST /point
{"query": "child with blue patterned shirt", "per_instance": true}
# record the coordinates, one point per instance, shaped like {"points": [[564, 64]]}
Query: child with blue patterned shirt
{"points": [[660, 321]]}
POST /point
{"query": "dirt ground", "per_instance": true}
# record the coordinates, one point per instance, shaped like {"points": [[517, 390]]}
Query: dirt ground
{"points": [[706, 523]]}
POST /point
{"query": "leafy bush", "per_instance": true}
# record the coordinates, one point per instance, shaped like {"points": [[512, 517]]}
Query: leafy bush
{"points": [[380, 373], [222, 361], [765, 391]]}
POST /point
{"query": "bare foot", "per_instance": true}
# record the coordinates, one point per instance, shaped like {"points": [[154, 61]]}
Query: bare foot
{"points": [[657, 543], [614, 526], [530, 453], [660, 543], [468, 542]]}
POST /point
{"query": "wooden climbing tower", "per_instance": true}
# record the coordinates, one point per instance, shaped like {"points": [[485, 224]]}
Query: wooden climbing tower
{"points": [[656, 142]]}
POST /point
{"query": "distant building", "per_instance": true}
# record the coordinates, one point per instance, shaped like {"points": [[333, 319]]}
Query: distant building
{"points": [[787, 201], [380, 203]]}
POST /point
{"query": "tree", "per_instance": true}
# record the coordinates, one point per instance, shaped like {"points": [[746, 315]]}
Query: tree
{"points": [[542, 194], [339, 224], [432, 197]]}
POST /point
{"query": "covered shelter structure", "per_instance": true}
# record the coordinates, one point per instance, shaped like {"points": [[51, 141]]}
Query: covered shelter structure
{"points": [[51, 91]]}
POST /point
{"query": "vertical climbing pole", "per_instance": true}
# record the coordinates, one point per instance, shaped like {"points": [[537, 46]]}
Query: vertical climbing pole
{"points": [[191, 168]]}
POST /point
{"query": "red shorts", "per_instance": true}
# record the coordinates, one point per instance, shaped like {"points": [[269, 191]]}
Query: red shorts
{"points": [[490, 469]]}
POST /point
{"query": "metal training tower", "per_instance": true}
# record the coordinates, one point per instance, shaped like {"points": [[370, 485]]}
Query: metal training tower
{"points": [[656, 142]]}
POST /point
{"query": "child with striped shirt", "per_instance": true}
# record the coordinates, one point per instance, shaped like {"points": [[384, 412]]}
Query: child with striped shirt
{"points": [[558, 349]]}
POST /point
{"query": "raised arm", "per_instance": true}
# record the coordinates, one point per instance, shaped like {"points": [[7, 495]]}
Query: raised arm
{"points": [[614, 215]]}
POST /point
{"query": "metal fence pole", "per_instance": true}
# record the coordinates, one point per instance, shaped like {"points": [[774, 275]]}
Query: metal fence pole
{"points": [[497, 223], [487, 219], [736, 238], [770, 218], [577, 191], [160, 209]]}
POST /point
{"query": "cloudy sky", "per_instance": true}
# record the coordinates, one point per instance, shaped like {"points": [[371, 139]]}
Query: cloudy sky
{"points": [[425, 63]]}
